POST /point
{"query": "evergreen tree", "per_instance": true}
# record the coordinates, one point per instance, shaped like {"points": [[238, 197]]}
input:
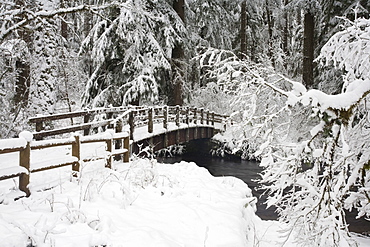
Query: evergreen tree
{"points": [[131, 50], [213, 23], [329, 79]]}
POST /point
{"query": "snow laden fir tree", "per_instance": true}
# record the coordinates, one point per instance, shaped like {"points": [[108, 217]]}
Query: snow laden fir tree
{"points": [[131, 50], [314, 147]]}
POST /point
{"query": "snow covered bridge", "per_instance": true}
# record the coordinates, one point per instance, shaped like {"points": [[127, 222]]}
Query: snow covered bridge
{"points": [[158, 127], [107, 133]]}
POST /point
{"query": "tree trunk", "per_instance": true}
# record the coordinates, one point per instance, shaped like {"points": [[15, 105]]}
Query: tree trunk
{"points": [[286, 29], [178, 57], [243, 27], [179, 7], [22, 82], [308, 50], [87, 21], [23, 68], [63, 25], [270, 24]]}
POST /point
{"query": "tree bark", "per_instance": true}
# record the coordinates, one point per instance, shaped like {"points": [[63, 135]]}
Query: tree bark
{"points": [[23, 68], [63, 25], [22, 82], [286, 29], [243, 27], [178, 56], [308, 50], [270, 24]]}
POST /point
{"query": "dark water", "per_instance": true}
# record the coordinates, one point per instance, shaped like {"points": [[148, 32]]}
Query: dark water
{"points": [[198, 151]]}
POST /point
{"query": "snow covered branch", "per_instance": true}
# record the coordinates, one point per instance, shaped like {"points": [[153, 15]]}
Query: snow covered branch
{"points": [[26, 16]]}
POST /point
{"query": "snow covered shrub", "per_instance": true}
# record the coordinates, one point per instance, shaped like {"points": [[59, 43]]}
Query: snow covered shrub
{"points": [[220, 74], [251, 94], [314, 146], [318, 177]]}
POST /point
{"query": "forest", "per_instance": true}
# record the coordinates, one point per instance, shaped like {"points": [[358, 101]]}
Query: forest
{"points": [[294, 76]]}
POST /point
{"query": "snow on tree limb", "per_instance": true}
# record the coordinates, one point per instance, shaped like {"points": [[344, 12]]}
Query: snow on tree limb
{"points": [[29, 15]]}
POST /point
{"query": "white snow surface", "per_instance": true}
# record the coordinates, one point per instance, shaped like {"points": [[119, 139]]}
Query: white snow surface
{"points": [[141, 203]]}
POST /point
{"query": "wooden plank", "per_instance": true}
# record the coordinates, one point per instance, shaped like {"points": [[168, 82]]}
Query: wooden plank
{"points": [[53, 167], [70, 129], [42, 167], [5, 177], [76, 114], [12, 145], [12, 172], [93, 159], [119, 151], [121, 135], [57, 116], [50, 143], [11, 150]]}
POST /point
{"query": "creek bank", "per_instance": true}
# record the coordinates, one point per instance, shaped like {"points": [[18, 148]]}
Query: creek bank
{"points": [[199, 151]]}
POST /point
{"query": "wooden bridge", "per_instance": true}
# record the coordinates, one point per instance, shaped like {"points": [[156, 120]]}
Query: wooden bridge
{"points": [[124, 130]]}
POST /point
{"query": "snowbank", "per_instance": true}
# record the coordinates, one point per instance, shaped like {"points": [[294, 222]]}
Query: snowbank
{"points": [[141, 204]]}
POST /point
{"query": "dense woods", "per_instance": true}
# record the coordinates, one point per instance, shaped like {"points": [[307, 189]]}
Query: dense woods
{"points": [[293, 74]]}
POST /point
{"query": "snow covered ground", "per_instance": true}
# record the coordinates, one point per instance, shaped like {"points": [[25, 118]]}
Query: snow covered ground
{"points": [[143, 203]]}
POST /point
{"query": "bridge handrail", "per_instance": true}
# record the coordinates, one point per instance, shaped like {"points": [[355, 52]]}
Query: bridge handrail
{"points": [[117, 116], [25, 147], [132, 115]]}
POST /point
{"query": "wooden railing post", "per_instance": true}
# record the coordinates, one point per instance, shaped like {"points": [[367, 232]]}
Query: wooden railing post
{"points": [[39, 127], [201, 116], [86, 120], [187, 121], [131, 122], [126, 144], [165, 117], [118, 144], [150, 120], [213, 119], [207, 121], [195, 115], [76, 152], [110, 150], [24, 161], [110, 116], [177, 116]]}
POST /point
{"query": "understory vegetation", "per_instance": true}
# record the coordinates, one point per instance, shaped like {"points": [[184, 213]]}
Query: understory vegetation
{"points": [[314, 147]]}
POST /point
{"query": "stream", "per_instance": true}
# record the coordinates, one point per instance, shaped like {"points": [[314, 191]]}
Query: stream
{"points": [[198, 151]]}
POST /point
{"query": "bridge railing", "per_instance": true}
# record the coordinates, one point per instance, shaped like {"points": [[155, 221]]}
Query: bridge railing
{"points": [[25, 146], [117, 117], [117, 144]]}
